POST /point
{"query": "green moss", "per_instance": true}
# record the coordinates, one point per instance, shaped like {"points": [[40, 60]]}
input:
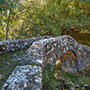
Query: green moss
{"points": [[1, 47], [84, 42], [7, 65], [82, 38]]}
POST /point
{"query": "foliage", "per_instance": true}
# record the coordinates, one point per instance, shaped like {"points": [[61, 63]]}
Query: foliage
{"points": [[53, 18], [32, 18]]}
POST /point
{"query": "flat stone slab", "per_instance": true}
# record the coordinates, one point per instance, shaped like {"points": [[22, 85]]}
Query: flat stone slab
{"points": [[26, 77]]}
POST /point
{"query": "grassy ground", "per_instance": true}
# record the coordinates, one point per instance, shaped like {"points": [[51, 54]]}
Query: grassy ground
{"points": [[7, 64], [58, 79]]}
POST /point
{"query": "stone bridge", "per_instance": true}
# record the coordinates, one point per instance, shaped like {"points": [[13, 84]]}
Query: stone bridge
{"points": [[28, 74]]}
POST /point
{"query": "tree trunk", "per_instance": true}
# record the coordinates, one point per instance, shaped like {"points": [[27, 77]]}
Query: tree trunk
{"points": [[7, 28]]}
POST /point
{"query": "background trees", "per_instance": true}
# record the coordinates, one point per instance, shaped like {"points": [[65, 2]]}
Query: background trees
{"points": [[30, 18]]}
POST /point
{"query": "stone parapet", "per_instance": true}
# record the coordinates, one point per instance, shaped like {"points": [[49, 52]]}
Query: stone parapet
{"points": [[12, 45]]}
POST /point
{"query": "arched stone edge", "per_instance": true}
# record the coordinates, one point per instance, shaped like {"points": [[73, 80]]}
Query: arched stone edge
{"points": [[54, 48]]}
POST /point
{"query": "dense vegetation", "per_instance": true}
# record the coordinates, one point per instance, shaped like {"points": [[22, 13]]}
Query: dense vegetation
{"points": [[30, 18]]}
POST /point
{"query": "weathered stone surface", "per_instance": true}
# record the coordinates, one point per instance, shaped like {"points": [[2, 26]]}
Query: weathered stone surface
{"points": [[28, 75], [54, 48], [24, 78], [34, 54], [12, 45]]}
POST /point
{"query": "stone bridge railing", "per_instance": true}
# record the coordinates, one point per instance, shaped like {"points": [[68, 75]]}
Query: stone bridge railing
{"points": [[28, 74], [13, 45]]}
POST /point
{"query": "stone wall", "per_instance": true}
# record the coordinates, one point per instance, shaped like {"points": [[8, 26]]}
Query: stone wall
{"points": [[28, 74], [12, 45], [54, 48]]}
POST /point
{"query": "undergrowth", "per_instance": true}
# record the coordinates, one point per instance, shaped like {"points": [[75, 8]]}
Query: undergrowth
{"points": [[58, 79]]}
